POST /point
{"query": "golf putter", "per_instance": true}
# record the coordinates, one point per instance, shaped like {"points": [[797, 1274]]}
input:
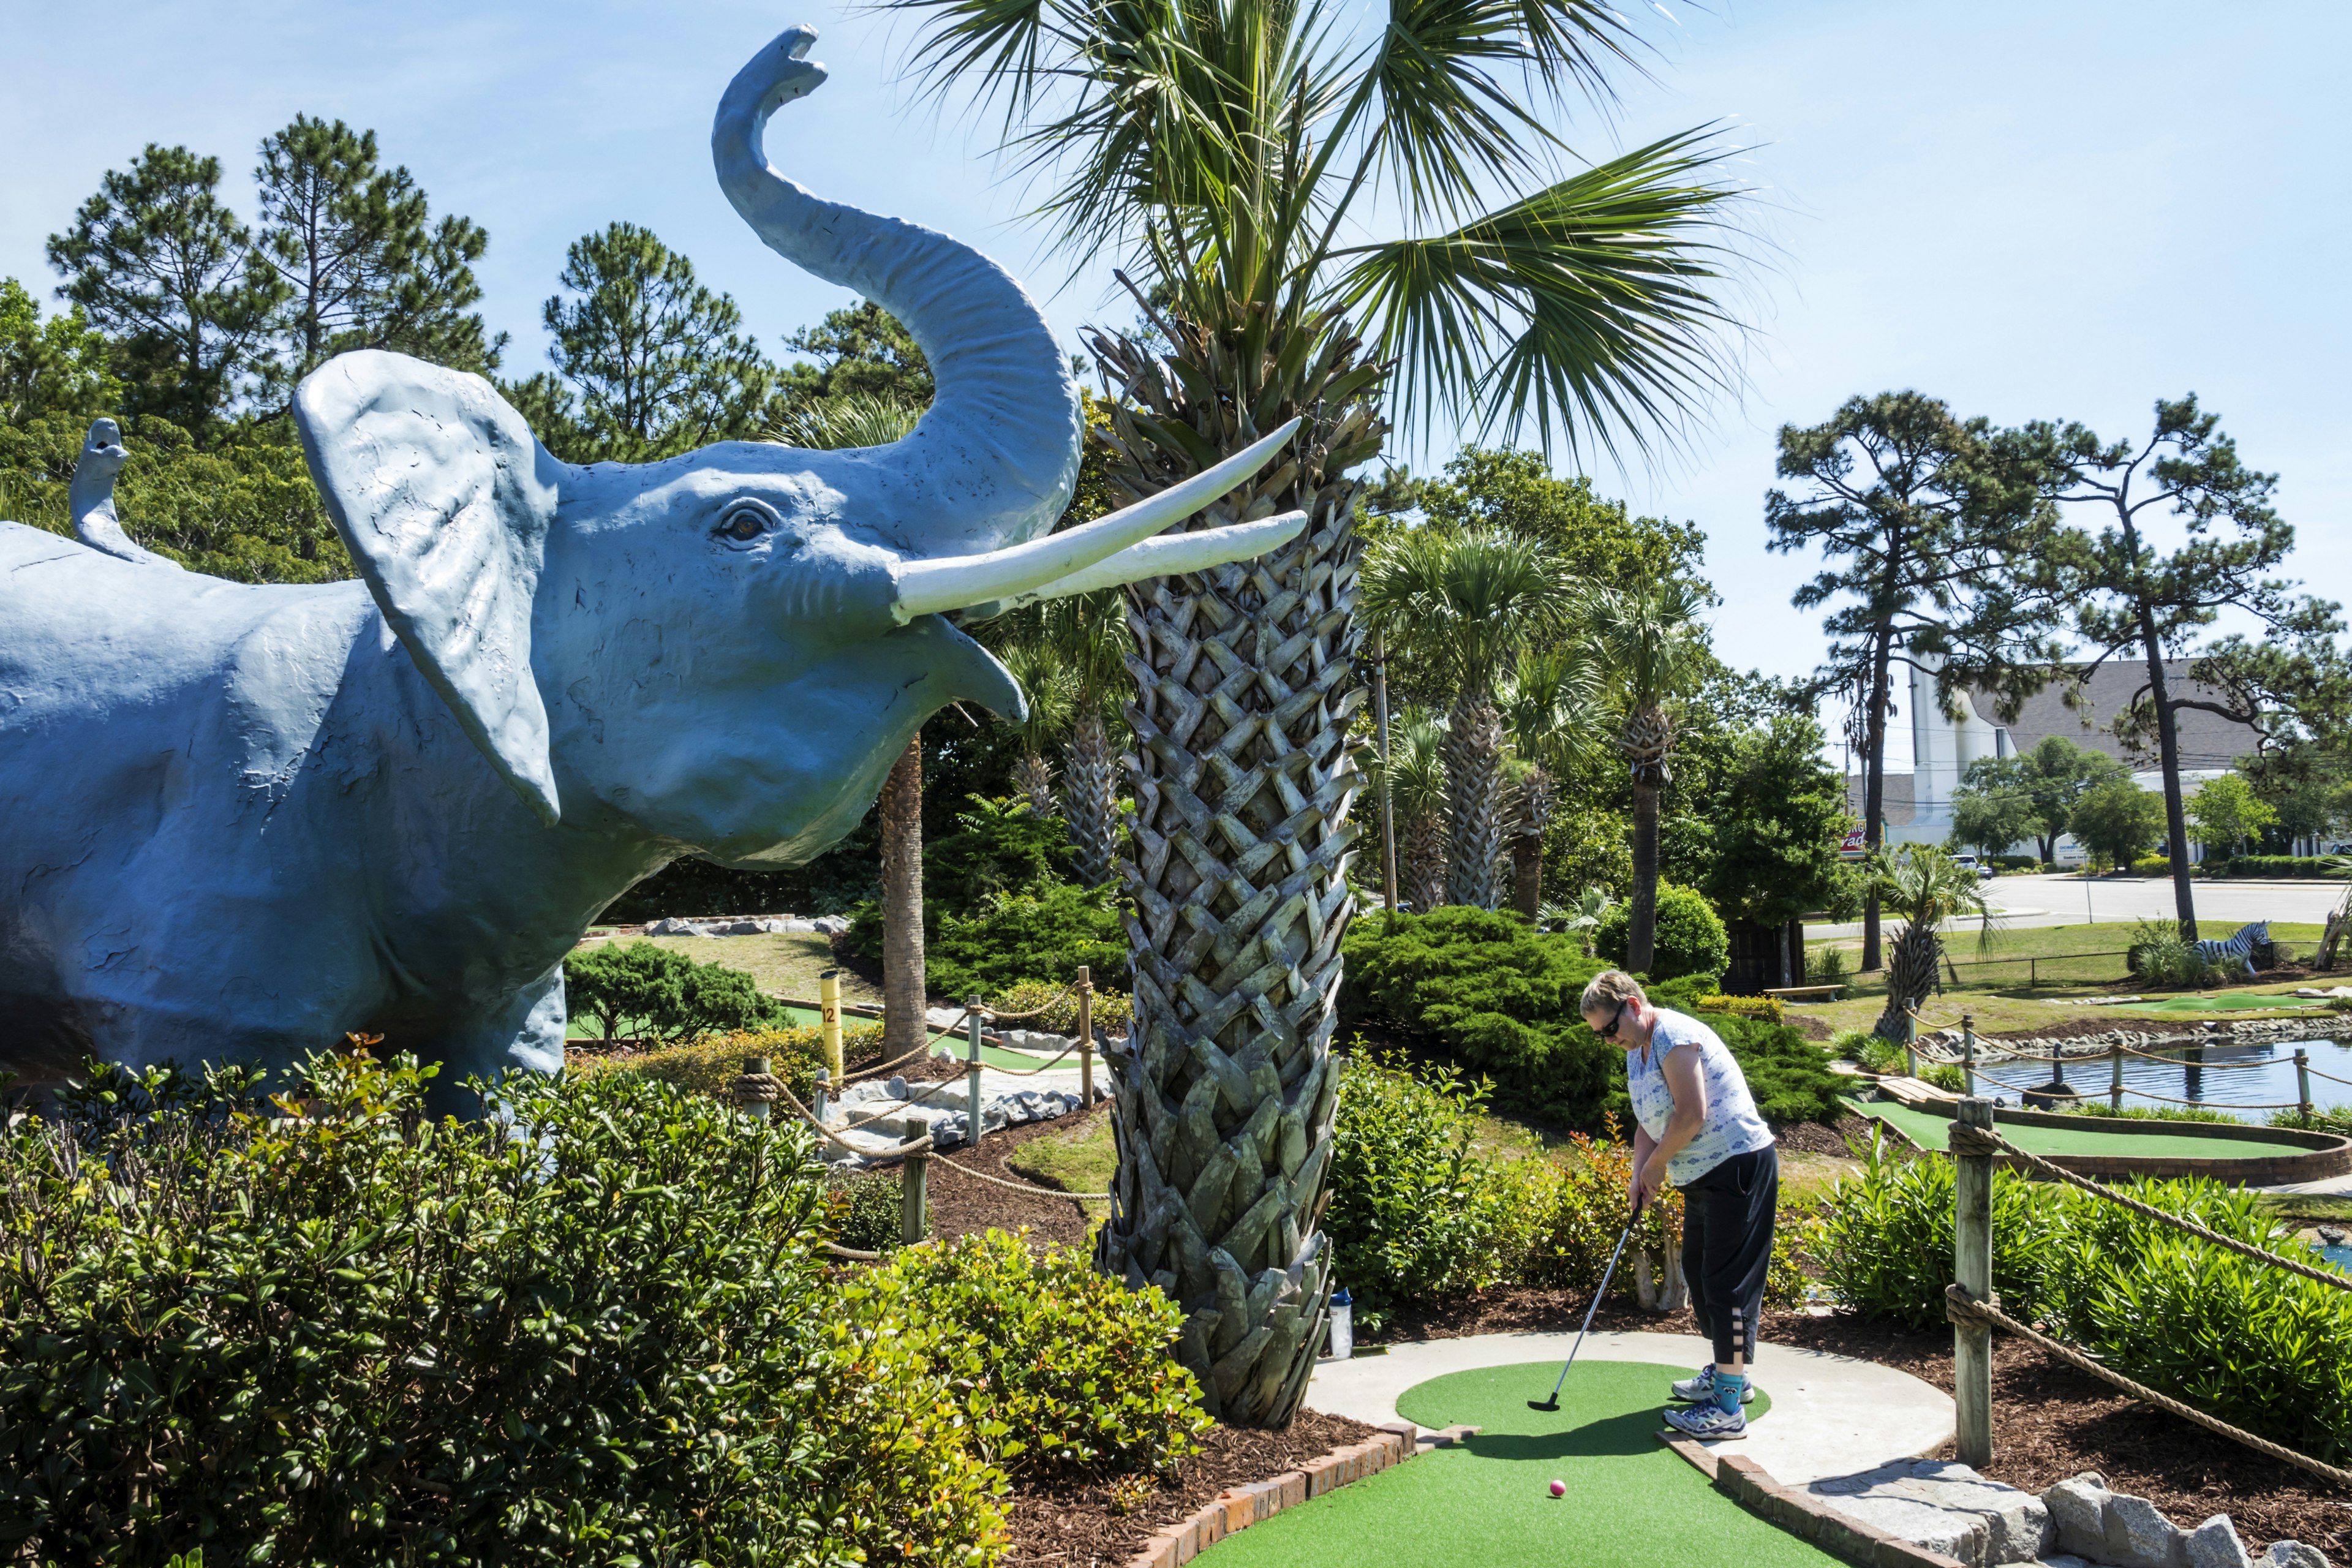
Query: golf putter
{"points": [[1553, 1402]]}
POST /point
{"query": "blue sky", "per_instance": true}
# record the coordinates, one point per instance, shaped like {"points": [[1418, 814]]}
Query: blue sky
{"points": [[2030, 210]]}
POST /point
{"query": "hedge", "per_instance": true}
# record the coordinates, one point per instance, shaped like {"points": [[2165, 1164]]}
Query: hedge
{"points": [[2275, 866], [1689, 938]]}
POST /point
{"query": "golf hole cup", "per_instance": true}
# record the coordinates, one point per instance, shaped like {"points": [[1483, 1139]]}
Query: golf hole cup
{"points": [[1343, 1324]]}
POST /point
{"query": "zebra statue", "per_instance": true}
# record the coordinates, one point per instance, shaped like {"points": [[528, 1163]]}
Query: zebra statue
{"points": [[2238, 951]]}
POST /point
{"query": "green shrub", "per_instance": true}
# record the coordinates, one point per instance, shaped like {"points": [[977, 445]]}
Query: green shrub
{"points": [[1945, 1077], [1825, 966], [1040, 936], [1690, 938], [1495, 996], [1058, 1371], [1767, 1008], [592, 1327], [2150, 1112], [1113, 1009], [2258, 1347], [2337, 1119], [2152, 866], [2271, 866], [1787, 1076], [1414, 1216], [1577, 1201], [2159, 955], [867, 1212], [1000, 846], [653, 993]]}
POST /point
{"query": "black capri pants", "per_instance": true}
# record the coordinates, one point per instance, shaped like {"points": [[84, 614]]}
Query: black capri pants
{"points": [[1728, 1246]]}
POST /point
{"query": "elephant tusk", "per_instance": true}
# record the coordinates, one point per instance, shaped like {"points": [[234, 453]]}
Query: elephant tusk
{"points": [[1167, 556], [932, 586]]}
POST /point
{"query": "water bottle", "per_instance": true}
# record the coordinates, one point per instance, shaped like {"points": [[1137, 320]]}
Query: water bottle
{"points": [[1343, 1326]]}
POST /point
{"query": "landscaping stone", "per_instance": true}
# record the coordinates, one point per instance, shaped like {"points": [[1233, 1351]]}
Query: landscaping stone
{"points": [[1944, 1508], [2215, 1544], [2294, 1554], [2078, 1514], [2139, 1536]]}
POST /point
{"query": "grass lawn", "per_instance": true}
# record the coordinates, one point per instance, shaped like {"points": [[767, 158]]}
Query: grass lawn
{"points": [[2000, 1000], [1080, 1160], [786, 964], [1486, 1503]]}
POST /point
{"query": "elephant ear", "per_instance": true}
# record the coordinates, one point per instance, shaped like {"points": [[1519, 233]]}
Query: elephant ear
{"points": [[445, 497]]}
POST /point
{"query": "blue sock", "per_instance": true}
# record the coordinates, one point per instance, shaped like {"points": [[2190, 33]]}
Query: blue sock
{"points": [[1728, 1389]]}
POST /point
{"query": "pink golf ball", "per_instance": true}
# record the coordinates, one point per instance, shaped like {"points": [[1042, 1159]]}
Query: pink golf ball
{"points": [[1559, 1488]]}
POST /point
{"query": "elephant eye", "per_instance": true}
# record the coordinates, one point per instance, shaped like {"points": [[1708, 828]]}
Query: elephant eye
{"points": [[743, 525]]}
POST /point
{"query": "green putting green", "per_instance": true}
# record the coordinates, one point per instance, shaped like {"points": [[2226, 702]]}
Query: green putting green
{"points": [[1931, 1132], [1486, 1503], [2227, 1001]]}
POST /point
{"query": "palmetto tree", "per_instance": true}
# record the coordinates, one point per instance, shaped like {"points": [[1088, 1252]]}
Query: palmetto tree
{"points": [[1651, 649], [1416, 768], [1551, 713], [1470, 603], [1228, 153], [1088, 634], [1053, 690], [1924, 888]]}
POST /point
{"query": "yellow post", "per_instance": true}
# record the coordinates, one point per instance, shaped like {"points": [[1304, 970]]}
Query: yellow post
{"points": [[1086, 1037], [828, 1000]]}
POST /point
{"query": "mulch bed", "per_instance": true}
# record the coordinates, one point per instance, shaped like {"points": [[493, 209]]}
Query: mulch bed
{"points": [[2050, 1421], [1839, 1137], [960, 1205], [1082, 1525]]}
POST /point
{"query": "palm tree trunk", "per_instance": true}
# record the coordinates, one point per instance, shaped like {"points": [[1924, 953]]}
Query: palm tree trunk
{"points": [[1910, 978], [904, 995], [1086, 796], [1641, 918], [1473, 782], [1034, 779], [1537, 795], [1244, 774], [1425, 851]]}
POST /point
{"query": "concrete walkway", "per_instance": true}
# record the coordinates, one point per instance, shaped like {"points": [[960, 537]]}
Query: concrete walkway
{"points": [[1832, 1416]]}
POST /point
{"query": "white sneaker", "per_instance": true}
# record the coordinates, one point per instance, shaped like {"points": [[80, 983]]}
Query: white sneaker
{"points": [[1709, 1420], [1700, 1389]]}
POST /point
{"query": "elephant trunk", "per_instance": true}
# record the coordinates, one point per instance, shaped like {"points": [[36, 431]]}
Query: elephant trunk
{"points": [[993, 460]]}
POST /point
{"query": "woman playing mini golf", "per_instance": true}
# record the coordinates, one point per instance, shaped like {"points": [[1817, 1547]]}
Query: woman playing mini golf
{"points": [[1696, 1124]]}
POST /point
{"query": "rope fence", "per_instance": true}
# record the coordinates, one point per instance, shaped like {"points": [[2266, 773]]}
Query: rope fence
{"points": [[2113, 1053], [1975, 1311]]}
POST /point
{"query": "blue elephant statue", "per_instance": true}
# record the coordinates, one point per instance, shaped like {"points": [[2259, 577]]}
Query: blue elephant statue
{"points": [[245, 820]]}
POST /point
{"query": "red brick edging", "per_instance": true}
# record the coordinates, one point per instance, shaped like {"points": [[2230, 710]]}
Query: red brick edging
{"points": [[1238, 1507], [1800, 1513]]}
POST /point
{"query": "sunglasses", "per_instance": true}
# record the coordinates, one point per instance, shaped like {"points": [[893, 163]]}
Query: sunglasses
{"points": [[1616, 1018]]}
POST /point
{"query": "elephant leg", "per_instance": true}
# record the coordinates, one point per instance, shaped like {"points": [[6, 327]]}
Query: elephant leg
{"points": [[526, 1034]]}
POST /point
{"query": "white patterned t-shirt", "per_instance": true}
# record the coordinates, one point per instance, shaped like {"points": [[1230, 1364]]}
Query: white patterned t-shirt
{"points": [[1732, 1126]]}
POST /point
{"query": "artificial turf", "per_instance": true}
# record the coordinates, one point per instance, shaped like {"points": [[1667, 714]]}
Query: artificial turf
{"points": [[1486, 1503], [1930, 1132]]}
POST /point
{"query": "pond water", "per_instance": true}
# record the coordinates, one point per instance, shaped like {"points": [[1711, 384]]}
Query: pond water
{"points": [[2230, 1076]]}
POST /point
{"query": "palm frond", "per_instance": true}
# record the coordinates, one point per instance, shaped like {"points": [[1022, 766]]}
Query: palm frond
{"points": [[858, 419], [1589, 308], [1469, 601]]}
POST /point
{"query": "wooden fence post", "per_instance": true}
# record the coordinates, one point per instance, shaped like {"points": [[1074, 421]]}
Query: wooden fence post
{"points": [[972, 1072], [2302, 1081], [757, 1066], [1086, 1037], [1968, 1054], [828, 1003], [914, 1182], [816, 1100], [1972, 1265], [2114, 1076]]}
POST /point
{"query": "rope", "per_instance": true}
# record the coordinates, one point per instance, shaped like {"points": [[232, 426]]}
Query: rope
{"points": [[880, 1067], [1018, 1186], [921, 1146], [1042, 1067], [1963, 1308], [2328, 1075], [849, 1252], [1067, 990], [2325, 1276]]}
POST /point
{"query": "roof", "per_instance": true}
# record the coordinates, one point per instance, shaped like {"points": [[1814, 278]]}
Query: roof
{"points": [[2207, 739]]}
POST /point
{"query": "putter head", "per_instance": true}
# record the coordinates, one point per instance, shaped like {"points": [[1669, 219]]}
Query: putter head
{"points": [[1543, 1403]]}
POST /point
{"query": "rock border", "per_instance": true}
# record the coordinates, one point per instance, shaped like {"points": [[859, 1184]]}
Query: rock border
{"points": [[1235, 1509], [1801, 1514]]}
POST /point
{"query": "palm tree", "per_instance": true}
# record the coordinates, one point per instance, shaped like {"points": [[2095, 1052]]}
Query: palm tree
{"points": [[1416, 778], [1470, 603], [1052, 691], [1924, 888], [1651, 649], [1087, 633], [1227, 153], [1549, 709]]}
